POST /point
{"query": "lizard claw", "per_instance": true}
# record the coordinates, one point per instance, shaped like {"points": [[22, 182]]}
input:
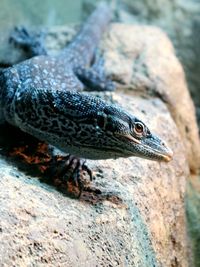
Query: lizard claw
{"points": [[68, 169]]}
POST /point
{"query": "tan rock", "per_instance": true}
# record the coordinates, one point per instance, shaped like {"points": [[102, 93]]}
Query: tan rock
{"points": [[138, 220], [180, 19], [143, 59]]}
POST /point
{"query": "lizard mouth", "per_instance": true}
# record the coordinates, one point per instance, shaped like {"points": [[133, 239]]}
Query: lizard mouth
{"points": [[164, 154], [154, 154], [168, 157], [151, 148], [165, 157]]}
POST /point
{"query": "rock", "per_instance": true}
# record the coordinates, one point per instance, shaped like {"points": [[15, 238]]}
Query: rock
{"points": [[180, 19], [142, 59], [193, 217], [137, 220]]}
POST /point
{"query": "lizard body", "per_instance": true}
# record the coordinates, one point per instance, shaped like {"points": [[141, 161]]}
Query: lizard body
{"points": [[42, 96]]}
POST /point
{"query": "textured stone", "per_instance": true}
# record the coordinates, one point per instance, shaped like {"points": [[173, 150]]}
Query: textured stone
{"points": [[180, 19], [193, 217], [138, 220], [142, 59]]}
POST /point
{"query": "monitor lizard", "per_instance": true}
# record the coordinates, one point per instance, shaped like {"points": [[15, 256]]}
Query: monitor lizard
{"points": [[43, 97]]}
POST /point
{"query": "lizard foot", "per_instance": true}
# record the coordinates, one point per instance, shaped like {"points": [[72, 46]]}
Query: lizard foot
{"points": [[31, 42], [93, 81], [69, 171], [95, 78]]}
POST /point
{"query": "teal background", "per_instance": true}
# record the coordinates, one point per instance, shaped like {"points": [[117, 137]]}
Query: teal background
{"points": [[40, 12]]}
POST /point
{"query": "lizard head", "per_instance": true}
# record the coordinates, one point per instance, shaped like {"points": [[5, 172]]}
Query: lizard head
{"points": [[129, 136], [141, 142]]}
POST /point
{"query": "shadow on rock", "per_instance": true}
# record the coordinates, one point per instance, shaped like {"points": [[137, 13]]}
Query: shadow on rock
{"points": [[37, 159]]}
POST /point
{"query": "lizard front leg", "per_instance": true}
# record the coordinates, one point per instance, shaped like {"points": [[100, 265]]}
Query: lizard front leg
{"points": [[93, 81], [65, 170], [95, 78], [31, 42]]}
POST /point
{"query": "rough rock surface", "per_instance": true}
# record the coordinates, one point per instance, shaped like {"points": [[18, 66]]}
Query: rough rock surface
{"points": [[138, 220], [142, 58], [193, 217], [180, 19]]}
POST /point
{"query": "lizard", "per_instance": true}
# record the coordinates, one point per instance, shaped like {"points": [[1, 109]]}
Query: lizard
{"points": [[43, 97]]}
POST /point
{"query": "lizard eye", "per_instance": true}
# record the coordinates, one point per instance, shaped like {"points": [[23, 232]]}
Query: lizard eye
{"points": [[138, 128]]}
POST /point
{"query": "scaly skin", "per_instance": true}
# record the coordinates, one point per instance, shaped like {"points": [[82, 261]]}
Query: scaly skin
{"points": [[41, 96]]}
